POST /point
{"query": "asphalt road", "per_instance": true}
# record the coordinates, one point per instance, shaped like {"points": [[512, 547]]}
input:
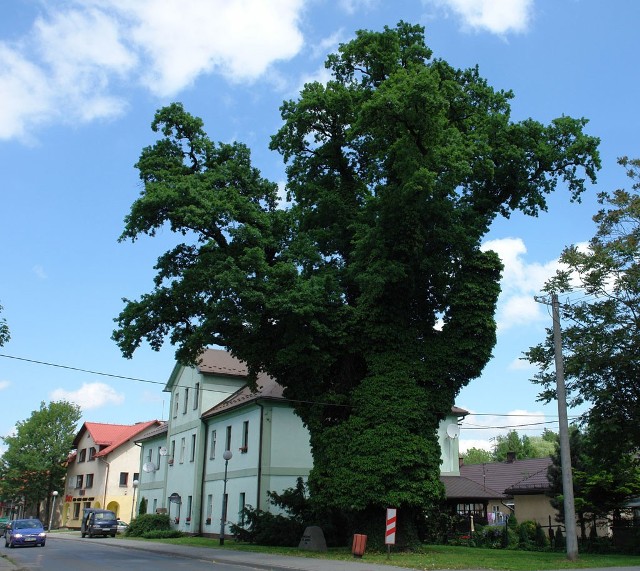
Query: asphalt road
{"points": [[95, 555]]}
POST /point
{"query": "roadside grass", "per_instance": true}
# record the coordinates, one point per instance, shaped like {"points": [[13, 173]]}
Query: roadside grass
{"points": [[435, 556]]}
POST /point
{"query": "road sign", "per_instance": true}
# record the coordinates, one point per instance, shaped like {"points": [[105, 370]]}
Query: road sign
{"points": [[390, 535]]}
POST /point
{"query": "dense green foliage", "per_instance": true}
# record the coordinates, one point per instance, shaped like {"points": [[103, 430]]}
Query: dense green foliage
{"points": [[34, 463], [369, 299], [601, 323], [146, 524]]}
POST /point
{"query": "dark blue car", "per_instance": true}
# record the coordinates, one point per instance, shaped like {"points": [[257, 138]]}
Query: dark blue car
{"points": [[25, 532]]}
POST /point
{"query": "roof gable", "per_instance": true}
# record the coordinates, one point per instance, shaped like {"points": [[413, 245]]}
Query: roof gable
{"points": [[112, 436]]}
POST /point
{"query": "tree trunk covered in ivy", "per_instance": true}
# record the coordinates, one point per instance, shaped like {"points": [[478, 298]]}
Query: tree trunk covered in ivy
{"points": [[369, 298]]}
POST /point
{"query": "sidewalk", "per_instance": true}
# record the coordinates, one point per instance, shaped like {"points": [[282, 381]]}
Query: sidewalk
{"points": [[228, 556]]}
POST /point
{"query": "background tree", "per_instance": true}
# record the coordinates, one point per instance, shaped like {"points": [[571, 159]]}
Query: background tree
{"points": [[370, 299], [4, 330], [601, 324], [599, 487], [34, 463], [477, 456], [512, 443]]}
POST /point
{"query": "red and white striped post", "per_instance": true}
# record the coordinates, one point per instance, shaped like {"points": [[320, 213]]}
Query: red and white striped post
{"points": [[390, 533]]}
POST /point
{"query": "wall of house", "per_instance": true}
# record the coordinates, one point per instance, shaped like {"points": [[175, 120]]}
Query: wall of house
{"points": [[534, 507], [152, 483], [449, 446]]}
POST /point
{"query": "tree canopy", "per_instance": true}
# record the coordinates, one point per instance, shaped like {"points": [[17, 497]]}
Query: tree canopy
{"points": [[34, 463], [4, 330], [369, 299], [601, 323]]}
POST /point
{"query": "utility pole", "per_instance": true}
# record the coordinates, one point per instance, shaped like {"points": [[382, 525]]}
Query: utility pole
{"points": [[565, 452]]}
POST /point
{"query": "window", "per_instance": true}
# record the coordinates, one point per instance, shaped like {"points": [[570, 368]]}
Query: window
{"points": [[92, 454], [155, 505], [173, 451], [183, 446], [79, 480], [209, 506], [193, 448], [159, 456], [196, 397], [189, 504], [186, 400], [83, 455], [175, 405], [124, 478], [136, 476], [89, 481], [149, 454], [241, 506], [76, 511], [245, 437], [212, 450], [227, 445]]}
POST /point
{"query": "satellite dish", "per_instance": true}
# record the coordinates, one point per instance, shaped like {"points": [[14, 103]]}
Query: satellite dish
{"points": [[149, 467], [163, 451], [453, 431]]}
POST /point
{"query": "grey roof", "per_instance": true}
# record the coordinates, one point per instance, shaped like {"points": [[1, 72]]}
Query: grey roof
{"points": [[266, 388], [159, 431], [458, 487], [221, 362], [519, 476]]}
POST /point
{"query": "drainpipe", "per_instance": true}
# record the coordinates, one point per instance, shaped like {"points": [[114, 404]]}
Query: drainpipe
{"points": [[204, 471], [258, 491], [106, 481]]}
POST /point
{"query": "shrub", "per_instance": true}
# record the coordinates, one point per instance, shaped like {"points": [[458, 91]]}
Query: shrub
{"points": [[265, 528], [148, 522], [162, 534], [541, 539], [143, 506]]}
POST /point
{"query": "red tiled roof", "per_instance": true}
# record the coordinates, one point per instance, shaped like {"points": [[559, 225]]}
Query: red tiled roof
{"points": [[112, 435]]}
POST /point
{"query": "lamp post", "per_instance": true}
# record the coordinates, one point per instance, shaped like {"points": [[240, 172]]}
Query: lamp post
{"points": [[53, 507], [227, 456], [133, 504]]}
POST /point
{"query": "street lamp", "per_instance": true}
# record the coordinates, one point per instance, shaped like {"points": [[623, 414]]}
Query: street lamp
{"points": [[133, 504], [227, 456], [53, 507]]}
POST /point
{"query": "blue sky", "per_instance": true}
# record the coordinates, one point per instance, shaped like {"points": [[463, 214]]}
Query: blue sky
{"points": [[79, 84]]}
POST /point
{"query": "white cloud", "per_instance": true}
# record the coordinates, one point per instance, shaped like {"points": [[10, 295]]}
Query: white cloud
{"points": [[89, 396], [521, 281], [353, 6], [4, 385], [495, 16], [76, 57]]}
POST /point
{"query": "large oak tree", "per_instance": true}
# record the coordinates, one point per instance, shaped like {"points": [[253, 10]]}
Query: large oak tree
{"points": [[369, 299]]}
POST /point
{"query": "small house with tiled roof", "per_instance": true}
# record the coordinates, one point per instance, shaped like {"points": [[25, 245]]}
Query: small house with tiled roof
{"points": [[518, 487], [227, 445], [102, 469]]}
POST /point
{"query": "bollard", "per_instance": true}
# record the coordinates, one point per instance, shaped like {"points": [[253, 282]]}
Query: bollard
{"points": [[359, 544]]}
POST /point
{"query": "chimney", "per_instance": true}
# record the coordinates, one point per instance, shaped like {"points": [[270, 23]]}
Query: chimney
{"points": [[511, 457], [460, 461]]}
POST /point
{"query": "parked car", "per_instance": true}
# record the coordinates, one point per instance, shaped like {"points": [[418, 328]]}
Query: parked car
{"points": [[98, 522], [25, 532], [122, 526]]}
